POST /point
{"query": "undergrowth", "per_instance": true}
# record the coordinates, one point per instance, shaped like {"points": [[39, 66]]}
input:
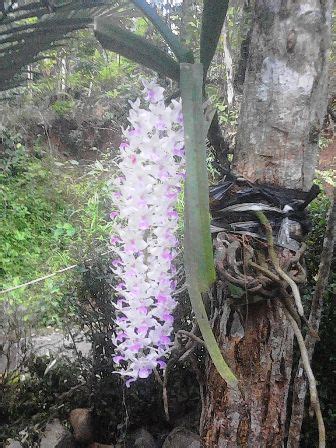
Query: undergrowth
{"points": [[52, 212]]}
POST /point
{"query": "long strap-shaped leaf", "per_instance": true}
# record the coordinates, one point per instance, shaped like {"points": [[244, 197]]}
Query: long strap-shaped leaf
{"points": [[134, 47], [214, 13], [183, 54], [198, 254]]}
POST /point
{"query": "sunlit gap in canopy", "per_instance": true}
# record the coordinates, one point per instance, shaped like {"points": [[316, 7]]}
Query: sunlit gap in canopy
{"points": [[166, 8], [165, 5]]}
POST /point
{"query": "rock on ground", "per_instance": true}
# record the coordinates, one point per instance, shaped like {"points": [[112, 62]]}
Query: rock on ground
{"points": [[56, 436], [100, 445], [182, 438], [143, 439], [53, 344], [81, 422], [13, 444], [140, 438]]}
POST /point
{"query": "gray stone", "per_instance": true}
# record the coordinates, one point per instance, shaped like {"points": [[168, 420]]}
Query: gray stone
{"points": [[143, 439], [53, 344], [13, 444], [100, 445], [56, 436], [81, 422], [182, 438]]}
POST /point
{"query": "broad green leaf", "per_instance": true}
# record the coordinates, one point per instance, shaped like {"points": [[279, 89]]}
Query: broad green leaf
{"points": [[134, 47], [197, 217], [214, 13], [198, 253]]}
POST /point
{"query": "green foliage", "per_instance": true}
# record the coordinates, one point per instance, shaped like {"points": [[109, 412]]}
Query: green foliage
{"points": [[63, 107], [226, 116], [115, 70], [50, 219], [29, 212], [318, 210], [141, 26], [324, 361], [328, 176], [13, 153], [323, 142]]}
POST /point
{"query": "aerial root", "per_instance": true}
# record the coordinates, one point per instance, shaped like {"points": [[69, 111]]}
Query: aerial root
{"points": [[314, 400], [184, 345]]}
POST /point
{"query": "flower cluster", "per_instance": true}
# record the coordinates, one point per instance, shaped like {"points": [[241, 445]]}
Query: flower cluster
{"points": [[151, 175]]}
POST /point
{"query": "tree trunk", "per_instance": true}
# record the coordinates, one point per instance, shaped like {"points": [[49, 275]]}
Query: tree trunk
{"points": [[186, 17], [228, 63], [285, 93], [282, 112], [258, 347], [63, 74]]}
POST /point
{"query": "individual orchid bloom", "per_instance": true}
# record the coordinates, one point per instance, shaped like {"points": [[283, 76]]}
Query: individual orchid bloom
{"points": [[153, 92], [145, 217]]}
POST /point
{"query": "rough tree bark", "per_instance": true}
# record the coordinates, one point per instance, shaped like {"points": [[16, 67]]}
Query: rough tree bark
{"points": [[284, 101], [285, 92]]}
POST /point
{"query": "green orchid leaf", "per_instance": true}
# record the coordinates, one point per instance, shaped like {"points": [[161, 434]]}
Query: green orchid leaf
{"points": [[183, 54], [207, 334], [198, 253], [214, 13], [134, 47], [197, 217]]}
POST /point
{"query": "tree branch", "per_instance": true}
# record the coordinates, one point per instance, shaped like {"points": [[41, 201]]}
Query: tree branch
{"points": [[300, 382], [314, 400]]}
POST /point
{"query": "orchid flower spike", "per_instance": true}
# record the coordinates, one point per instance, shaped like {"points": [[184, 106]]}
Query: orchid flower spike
{"points": [[151, 174]]}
